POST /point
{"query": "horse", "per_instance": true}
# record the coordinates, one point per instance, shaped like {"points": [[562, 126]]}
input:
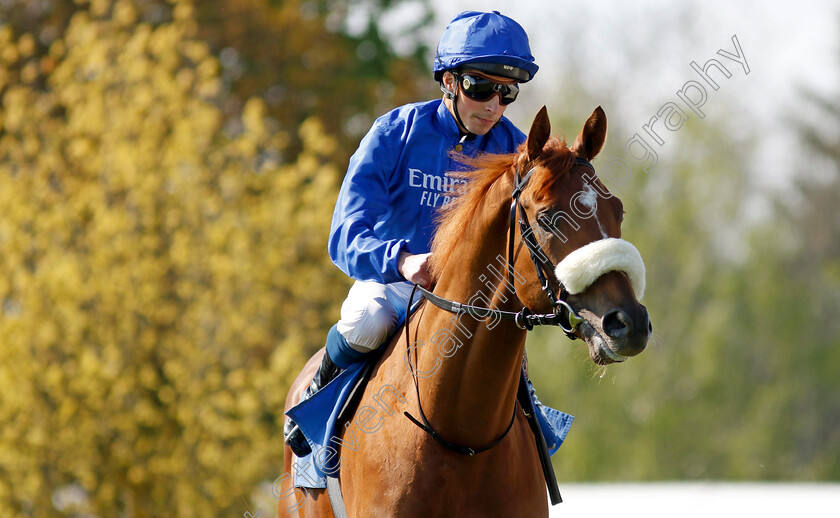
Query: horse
{"points": [[461, 371]]}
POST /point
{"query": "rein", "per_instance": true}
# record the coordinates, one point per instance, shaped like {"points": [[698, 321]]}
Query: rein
{"points": [[425, 425], [524, 319]]}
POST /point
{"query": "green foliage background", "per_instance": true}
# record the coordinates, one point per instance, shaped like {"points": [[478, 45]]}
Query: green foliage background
{"points": [[163, 273], [167, 174]]}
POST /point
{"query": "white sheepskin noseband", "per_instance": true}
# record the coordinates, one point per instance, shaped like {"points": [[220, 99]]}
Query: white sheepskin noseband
{"points": [[583, 266]]}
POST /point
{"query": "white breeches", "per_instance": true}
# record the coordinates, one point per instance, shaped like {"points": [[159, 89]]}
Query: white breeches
{"points": [[371, 312]]}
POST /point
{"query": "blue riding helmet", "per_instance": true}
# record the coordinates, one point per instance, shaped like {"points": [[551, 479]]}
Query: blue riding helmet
{"points": [[488, 42]]}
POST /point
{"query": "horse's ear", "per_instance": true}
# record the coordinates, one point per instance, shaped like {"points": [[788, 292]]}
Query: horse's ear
{"points": [[538, 136], [592, 136]]}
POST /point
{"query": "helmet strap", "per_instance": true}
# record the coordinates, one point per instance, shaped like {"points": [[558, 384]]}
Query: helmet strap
{"points": [[453, 96]]}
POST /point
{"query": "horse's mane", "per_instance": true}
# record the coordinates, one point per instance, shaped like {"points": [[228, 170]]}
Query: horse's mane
{"points": [[483, 171]]}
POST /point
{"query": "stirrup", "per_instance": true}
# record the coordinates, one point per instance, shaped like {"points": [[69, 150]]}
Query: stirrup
{"points": [[294, 438]]}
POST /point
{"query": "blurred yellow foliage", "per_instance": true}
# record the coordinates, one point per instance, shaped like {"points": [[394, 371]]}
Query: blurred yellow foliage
{"points": [[163, 274]]}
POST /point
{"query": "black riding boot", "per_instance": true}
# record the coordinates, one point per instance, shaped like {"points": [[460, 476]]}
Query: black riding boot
{"points": [[292, 433]]}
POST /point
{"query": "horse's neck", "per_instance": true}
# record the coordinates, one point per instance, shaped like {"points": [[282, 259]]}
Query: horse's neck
{"points": [[470, 397]]}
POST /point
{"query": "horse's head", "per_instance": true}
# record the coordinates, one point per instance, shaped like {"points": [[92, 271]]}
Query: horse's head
{"points": [[576, 225]]}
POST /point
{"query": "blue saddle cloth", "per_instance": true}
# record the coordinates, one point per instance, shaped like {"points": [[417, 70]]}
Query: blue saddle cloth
{"points": [[317, 418]]}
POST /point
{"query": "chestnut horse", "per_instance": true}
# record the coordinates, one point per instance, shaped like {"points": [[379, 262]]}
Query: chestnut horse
{"points": [[465, 368]]}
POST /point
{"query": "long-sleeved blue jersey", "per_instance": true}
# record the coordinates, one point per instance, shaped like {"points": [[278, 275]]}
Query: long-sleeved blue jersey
{"points": [[395, 183]]}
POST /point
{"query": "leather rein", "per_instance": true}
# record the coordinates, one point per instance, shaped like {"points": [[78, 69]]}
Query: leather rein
{"points": [[563, 315]]}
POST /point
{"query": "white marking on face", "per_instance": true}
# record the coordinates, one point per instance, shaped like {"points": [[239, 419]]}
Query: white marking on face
{"points": [[589, 199]]}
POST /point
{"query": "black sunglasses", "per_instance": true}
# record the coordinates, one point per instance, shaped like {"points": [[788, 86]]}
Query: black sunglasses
{"points": [[480, 89]]}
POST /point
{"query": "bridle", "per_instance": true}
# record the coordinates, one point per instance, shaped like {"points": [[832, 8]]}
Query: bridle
{"points": [[563, 316], [563, 313]]}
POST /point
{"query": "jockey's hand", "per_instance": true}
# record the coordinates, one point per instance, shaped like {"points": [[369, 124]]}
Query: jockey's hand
{"points": [[415, 268]]}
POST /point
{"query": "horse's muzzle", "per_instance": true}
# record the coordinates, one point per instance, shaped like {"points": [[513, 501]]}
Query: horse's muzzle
{"points": [[627, 334]]}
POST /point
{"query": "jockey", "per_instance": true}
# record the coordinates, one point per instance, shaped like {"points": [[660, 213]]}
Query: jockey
{"points": [[383, 221]]}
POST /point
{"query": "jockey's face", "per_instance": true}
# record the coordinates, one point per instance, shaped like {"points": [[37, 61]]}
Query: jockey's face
{"points": [[477, 116]]}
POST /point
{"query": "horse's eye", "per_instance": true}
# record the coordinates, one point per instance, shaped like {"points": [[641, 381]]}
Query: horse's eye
{"points": [[544, 220]]}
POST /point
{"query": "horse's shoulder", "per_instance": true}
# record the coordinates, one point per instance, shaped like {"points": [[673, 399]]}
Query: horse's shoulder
{"points": [[389, 372]]}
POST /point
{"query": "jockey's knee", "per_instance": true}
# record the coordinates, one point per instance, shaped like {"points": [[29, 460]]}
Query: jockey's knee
{"points": [[366, 329], [368, 316]]}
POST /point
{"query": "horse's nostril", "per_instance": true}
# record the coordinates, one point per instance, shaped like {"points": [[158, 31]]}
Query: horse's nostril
{"points": [[616, 324]]}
